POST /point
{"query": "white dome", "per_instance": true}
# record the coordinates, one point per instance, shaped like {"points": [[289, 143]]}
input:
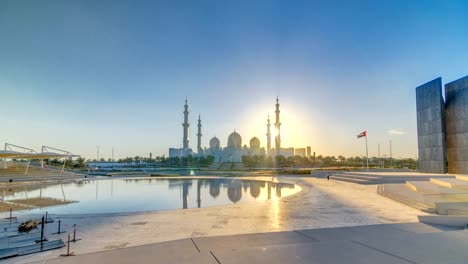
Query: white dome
{"points": [[255, 143], [234, 140], [214, 142]]}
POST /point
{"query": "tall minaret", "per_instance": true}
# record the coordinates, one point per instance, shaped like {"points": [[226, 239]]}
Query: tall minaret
{"points": [[199, 148], [277, 126], [186, 125], [268, 134]]}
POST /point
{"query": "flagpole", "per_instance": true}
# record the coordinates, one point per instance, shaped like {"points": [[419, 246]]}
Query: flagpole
{"points": [[367, 154]]}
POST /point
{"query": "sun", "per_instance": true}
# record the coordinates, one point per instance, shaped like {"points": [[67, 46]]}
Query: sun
{"points": [[293, 131]]}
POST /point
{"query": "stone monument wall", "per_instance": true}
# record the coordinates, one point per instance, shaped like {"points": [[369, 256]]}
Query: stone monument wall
{"points": [[456, 97], [431, 127]]}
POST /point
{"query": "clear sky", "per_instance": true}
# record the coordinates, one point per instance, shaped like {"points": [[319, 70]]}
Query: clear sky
{"points": [[76, 74]]}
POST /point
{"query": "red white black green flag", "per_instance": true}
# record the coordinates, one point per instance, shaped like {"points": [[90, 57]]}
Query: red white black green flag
{"points": [[363, 134]]}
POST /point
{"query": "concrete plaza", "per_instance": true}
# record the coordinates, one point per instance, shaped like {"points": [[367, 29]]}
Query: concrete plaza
{"points": [[320, 204], [390, 243]]}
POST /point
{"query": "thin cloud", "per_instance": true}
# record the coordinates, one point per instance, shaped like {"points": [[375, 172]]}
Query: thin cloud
{"points": [[396, 132]]}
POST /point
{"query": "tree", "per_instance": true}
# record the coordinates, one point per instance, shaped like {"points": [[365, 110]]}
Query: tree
{"points": [[247, 160], [81, 163]]}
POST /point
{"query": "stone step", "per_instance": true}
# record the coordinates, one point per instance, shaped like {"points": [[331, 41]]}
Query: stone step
{"points": [[444, 208], [451, 183], [462, 177], [423, 187], [446, 220], [404, 195]]}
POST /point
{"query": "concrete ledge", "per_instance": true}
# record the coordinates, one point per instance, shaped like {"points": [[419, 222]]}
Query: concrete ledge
{"points": [[423, 187], [446, 220], [444, 208], [452, 183], [462, 177]]}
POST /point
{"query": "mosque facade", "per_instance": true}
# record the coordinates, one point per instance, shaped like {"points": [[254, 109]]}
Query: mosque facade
{"points": [[234, 150]]}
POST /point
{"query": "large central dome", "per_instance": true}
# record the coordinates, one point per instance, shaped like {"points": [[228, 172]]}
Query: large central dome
{"points": [[234, 140]]}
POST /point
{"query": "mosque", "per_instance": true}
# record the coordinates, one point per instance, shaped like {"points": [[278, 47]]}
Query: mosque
{"points": [[234, 150]]}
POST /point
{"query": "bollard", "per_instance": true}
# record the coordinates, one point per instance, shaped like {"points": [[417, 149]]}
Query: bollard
{"points": [[11, 216], [74, 232], [68, 248], [42, 232], [47, 219], [59, 225]]}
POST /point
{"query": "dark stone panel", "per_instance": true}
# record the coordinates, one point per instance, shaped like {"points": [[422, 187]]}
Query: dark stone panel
{"points": [[456, 94], [430, 108]]}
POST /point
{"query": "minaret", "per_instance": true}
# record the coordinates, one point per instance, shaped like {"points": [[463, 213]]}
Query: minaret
{"points": [[268, 134], [199, 148], [186, 125], [277, 126]]}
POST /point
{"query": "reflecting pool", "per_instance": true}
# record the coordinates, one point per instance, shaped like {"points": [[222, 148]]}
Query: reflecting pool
{"points": [[139, 194]]}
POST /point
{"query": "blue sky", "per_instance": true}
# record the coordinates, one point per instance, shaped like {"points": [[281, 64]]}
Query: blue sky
{"points": [[76, 74]]}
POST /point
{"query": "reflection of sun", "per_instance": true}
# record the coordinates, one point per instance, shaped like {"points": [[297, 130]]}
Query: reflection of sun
{"points": [[274, 213]]}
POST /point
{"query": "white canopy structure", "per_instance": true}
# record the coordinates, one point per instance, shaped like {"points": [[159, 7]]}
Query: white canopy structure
{"points": [[30, 154]]}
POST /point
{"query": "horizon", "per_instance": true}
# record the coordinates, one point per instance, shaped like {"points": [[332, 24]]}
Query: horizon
{"points": [[75, 75]]}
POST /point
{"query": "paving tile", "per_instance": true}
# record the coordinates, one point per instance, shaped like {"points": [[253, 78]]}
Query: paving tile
{"points": [[360, 232], [311, 253], [251, 240], [179, 251], [420, 228], [330, 234], [431, 248]]}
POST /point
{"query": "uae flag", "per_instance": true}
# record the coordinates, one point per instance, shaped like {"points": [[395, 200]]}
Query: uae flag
{"points": [[363, 134]]}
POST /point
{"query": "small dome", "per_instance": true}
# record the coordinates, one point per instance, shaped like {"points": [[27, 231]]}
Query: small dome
{"points": [[255, 189], [214, 189], [255, 143], [234, 140], [235, 191], [214, 142]]}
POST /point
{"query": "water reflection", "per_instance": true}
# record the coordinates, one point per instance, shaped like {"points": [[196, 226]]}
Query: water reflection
{"points": [[141, 194], [233, 188]]}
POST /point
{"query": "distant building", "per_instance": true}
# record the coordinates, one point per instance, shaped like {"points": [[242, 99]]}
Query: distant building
{"points": [[286, 152], [443, 126], [309, 151], [300, 152], [179, 152]]}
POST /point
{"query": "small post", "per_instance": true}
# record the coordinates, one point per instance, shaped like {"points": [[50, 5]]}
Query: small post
{"points": [[68, 248], [11, 214], [58, 232], [46, 214], [42, 232], [74, 232]]}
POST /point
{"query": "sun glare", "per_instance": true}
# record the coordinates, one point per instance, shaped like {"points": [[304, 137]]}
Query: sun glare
{"points": [[294, 131]]}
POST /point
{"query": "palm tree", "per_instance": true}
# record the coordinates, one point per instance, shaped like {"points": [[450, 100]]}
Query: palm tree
{"points": [[81, 163]]}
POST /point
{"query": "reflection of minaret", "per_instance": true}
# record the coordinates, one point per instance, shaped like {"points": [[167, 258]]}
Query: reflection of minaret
{"points": [[269, 190], [186, 126], [199, 193], [277, 126], [268, 134], [278, 190], [185, 186], [199, 148]]}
